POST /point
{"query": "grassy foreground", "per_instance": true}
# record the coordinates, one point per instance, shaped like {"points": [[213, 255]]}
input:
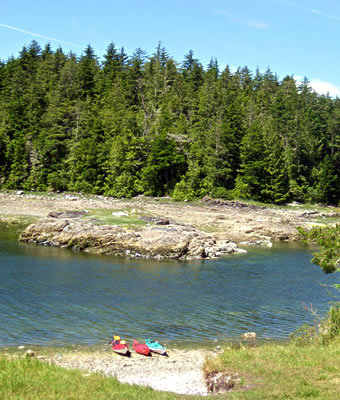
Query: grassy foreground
{"points": [[30, 379], [282, 371], [270, 371]]}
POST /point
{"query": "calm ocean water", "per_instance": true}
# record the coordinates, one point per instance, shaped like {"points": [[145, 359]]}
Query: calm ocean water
{"points": [[54, 296]]}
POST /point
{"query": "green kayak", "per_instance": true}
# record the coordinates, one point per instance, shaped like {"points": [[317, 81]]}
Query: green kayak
{"points": [[155, 347]]}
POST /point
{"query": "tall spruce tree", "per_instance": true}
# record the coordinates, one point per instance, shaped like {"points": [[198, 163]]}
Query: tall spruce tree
{"points": [[147, 124]]}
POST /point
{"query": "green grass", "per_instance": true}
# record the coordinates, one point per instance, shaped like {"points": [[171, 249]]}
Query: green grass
{"points": [[282, 371], [267, 371], [326, 220], [30, 379], [105, 217], [298, 207]]}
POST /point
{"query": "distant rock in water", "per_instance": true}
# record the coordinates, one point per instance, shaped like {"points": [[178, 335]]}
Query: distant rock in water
{"points": [[153, 241]]}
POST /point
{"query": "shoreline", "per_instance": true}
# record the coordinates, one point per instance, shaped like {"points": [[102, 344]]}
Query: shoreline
{"points": [[155, 227], [183, 369], [180, 372]]}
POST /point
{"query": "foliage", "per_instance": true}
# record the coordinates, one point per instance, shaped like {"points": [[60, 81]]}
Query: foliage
{"points": [[330, 326], [322, 331], [148, 124], [221, 193], [304, 335], [328, 258]]}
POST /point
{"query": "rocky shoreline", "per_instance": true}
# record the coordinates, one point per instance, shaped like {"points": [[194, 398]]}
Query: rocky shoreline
{"points": [[171, 240], [180, 372], [206, 229], [201, 230]]}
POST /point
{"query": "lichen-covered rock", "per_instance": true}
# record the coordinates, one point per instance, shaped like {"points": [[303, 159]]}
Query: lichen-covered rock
{"points": [[66, 214], [160, 241]]}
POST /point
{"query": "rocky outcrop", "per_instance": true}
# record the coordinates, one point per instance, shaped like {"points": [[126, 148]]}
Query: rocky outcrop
{"points": [[66, 214], [244, 224], [230, 204], [152, 241], [156, 220]]}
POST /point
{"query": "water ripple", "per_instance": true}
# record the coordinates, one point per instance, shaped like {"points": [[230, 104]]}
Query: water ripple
{"points": [[58, 297]]}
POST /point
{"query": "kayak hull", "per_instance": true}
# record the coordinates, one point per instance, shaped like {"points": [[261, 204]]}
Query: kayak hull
{"points": [[141, 348], [155, 347], [122, 349], [158, 351]]}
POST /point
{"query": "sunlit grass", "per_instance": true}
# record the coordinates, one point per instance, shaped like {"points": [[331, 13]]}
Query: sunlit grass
{"points": [[266, 371], [28, 378], [209, 228], [296, 206], [110, 217], [282, 371]]}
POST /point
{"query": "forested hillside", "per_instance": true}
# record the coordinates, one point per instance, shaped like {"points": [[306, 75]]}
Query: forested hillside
{"points": [[149, 124]]}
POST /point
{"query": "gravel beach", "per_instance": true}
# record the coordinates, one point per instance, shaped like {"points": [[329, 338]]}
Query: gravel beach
{"points": [[180, 372]]}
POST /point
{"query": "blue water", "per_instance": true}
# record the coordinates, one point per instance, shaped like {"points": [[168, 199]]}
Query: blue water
{"points": [[54, 296]]}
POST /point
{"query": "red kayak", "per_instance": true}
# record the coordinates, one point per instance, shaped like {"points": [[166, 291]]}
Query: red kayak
{"points": [[141, 348], [120, 348]]}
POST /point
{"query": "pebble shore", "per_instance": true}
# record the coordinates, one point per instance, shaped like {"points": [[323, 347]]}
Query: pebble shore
{"points": [[180, 372]]}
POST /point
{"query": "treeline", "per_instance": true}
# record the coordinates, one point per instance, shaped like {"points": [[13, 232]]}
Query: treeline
{"points": [[149, 124]]}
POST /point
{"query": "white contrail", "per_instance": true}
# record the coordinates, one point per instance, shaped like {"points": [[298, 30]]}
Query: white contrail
{"points": [[14, 28]]}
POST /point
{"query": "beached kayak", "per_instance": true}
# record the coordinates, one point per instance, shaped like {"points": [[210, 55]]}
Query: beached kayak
{"points": [[120, 348], [141, 348], [155, 347]]}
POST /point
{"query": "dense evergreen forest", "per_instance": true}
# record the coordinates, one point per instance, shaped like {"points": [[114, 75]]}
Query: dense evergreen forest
{"points": [[147, 124]]}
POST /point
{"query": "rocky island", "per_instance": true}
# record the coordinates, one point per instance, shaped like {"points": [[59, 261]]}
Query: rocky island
{"points": [[155, 227], [169, 240]]}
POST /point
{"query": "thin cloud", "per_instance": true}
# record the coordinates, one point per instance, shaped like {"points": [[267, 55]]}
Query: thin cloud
{"points": [[328, 16], [14, 28], [256, 24], [249, 22], [308, 10]]}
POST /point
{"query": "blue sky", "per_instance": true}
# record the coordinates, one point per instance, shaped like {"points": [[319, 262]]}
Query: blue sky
{"points": [[297, 37]]}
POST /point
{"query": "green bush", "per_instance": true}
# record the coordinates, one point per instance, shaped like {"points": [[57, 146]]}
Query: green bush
{"points": [[322, 330], [304, 335], [330, 326], [123, 186], [57, 181], [183, 191], [221, 193]]}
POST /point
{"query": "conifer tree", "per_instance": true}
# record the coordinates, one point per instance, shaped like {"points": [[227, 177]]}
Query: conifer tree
{"points": [[147, 124]]}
